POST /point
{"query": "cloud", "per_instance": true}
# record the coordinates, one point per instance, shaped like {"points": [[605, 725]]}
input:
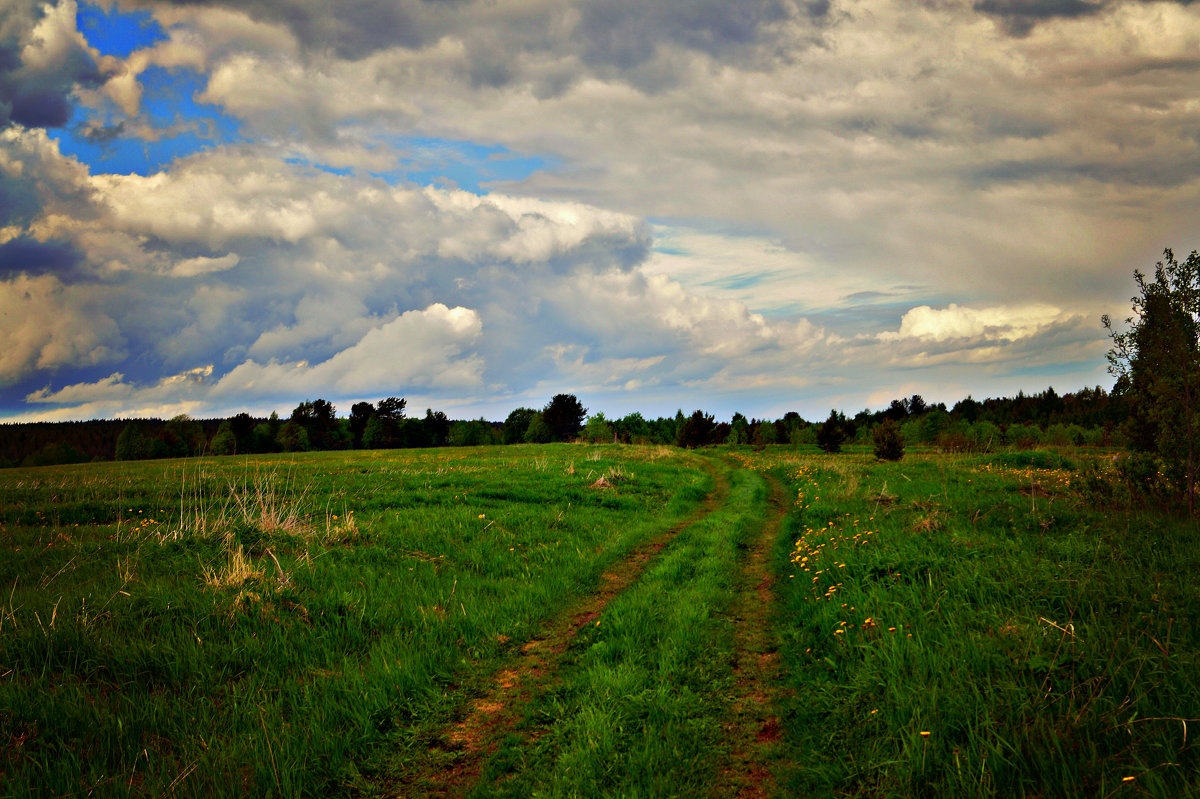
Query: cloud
{"points": [[115, 397], [46, 325], [954, 322], [24, 254], [768, 199], [417, 349], [1019, 16], [43, 58], [430, 348], [109, 388], [193, 267]]}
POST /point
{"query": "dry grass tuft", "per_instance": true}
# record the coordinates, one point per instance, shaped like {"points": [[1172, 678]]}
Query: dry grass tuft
{"points": [[237, 570], [933, 520]]}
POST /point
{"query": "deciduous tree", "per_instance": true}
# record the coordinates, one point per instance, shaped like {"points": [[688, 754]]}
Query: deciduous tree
{"points": [[1157, 364], [564, 416]]}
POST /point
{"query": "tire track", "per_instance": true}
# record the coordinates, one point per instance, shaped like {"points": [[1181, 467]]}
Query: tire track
{"points": [[498, 710], [754, 729]]}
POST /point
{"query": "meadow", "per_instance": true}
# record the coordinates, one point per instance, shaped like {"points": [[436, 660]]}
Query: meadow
{"points": [[577, 620]]}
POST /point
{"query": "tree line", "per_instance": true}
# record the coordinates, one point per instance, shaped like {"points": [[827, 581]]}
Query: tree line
{"points": [[1089, 416], [1154, 408]]}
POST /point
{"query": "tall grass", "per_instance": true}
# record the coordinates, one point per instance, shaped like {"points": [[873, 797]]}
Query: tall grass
{"points": [[640, 706], [978, 627], [283, 622]]}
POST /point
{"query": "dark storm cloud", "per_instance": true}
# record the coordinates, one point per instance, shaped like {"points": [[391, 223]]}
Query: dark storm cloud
{"points": [[38, 96], [1018, 17], [19, 203], [624, 33], [1134, 172], [621, 35], [30, 256], [351, 29]]}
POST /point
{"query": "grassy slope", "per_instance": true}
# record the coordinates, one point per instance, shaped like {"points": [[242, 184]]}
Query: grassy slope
{"points": [[985, 627], [144, 651], [1004, 630], [639, 708]]}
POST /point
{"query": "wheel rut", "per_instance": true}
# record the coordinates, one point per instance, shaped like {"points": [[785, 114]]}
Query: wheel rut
{"points": [[497, 711], [754, 729]]}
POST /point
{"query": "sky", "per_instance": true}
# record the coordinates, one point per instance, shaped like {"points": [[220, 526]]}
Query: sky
{"points": [[210, 206]]}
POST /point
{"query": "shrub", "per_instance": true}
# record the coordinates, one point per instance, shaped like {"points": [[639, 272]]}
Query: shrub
{"points": [[598, 430], [889, 443], [832, 433], [1023, 436], [224, 442]]}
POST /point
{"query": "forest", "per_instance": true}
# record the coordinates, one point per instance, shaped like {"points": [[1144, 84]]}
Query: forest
{"points": [[1090, 416]]}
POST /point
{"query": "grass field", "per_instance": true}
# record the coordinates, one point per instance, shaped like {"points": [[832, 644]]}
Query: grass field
{"points": [[503, 622]]}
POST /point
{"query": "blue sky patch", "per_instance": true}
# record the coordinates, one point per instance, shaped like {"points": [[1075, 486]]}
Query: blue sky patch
{"points": [[168, 105], [468, 165], [333, 170], [743, 280], [115, 32]]}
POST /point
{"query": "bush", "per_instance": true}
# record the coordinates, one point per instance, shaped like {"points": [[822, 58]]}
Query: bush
{"points": [[1023, 436], [832, 433], [53, 454], [224, 442], [598, 430], [1034, 459], [696, 431], [889, 443], [292, 437], [133, 444], [986, 436]]}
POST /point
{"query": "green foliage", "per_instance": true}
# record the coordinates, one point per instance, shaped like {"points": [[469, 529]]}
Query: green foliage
{"points": [[292, 437], [765, 433], [318, 419], [133, 444], [1023, 436], [374, 436], [264, 434], [183, 436], [538, 431], [517, 424], [224, 442], [598, 429], [832, 433], [887, 441], [739, 430], [696, 430], [564, 415], [53, 454], [475, 433], [634, 429], [1157, 363], [360, 416]]}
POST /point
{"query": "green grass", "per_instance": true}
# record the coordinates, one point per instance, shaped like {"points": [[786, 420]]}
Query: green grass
{"points": [[149, 644], [639, 706], [992, 631], [314, 625]]}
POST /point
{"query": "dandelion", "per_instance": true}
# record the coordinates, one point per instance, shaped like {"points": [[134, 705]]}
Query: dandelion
{"points": [[925, 733], [482, 515]]}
